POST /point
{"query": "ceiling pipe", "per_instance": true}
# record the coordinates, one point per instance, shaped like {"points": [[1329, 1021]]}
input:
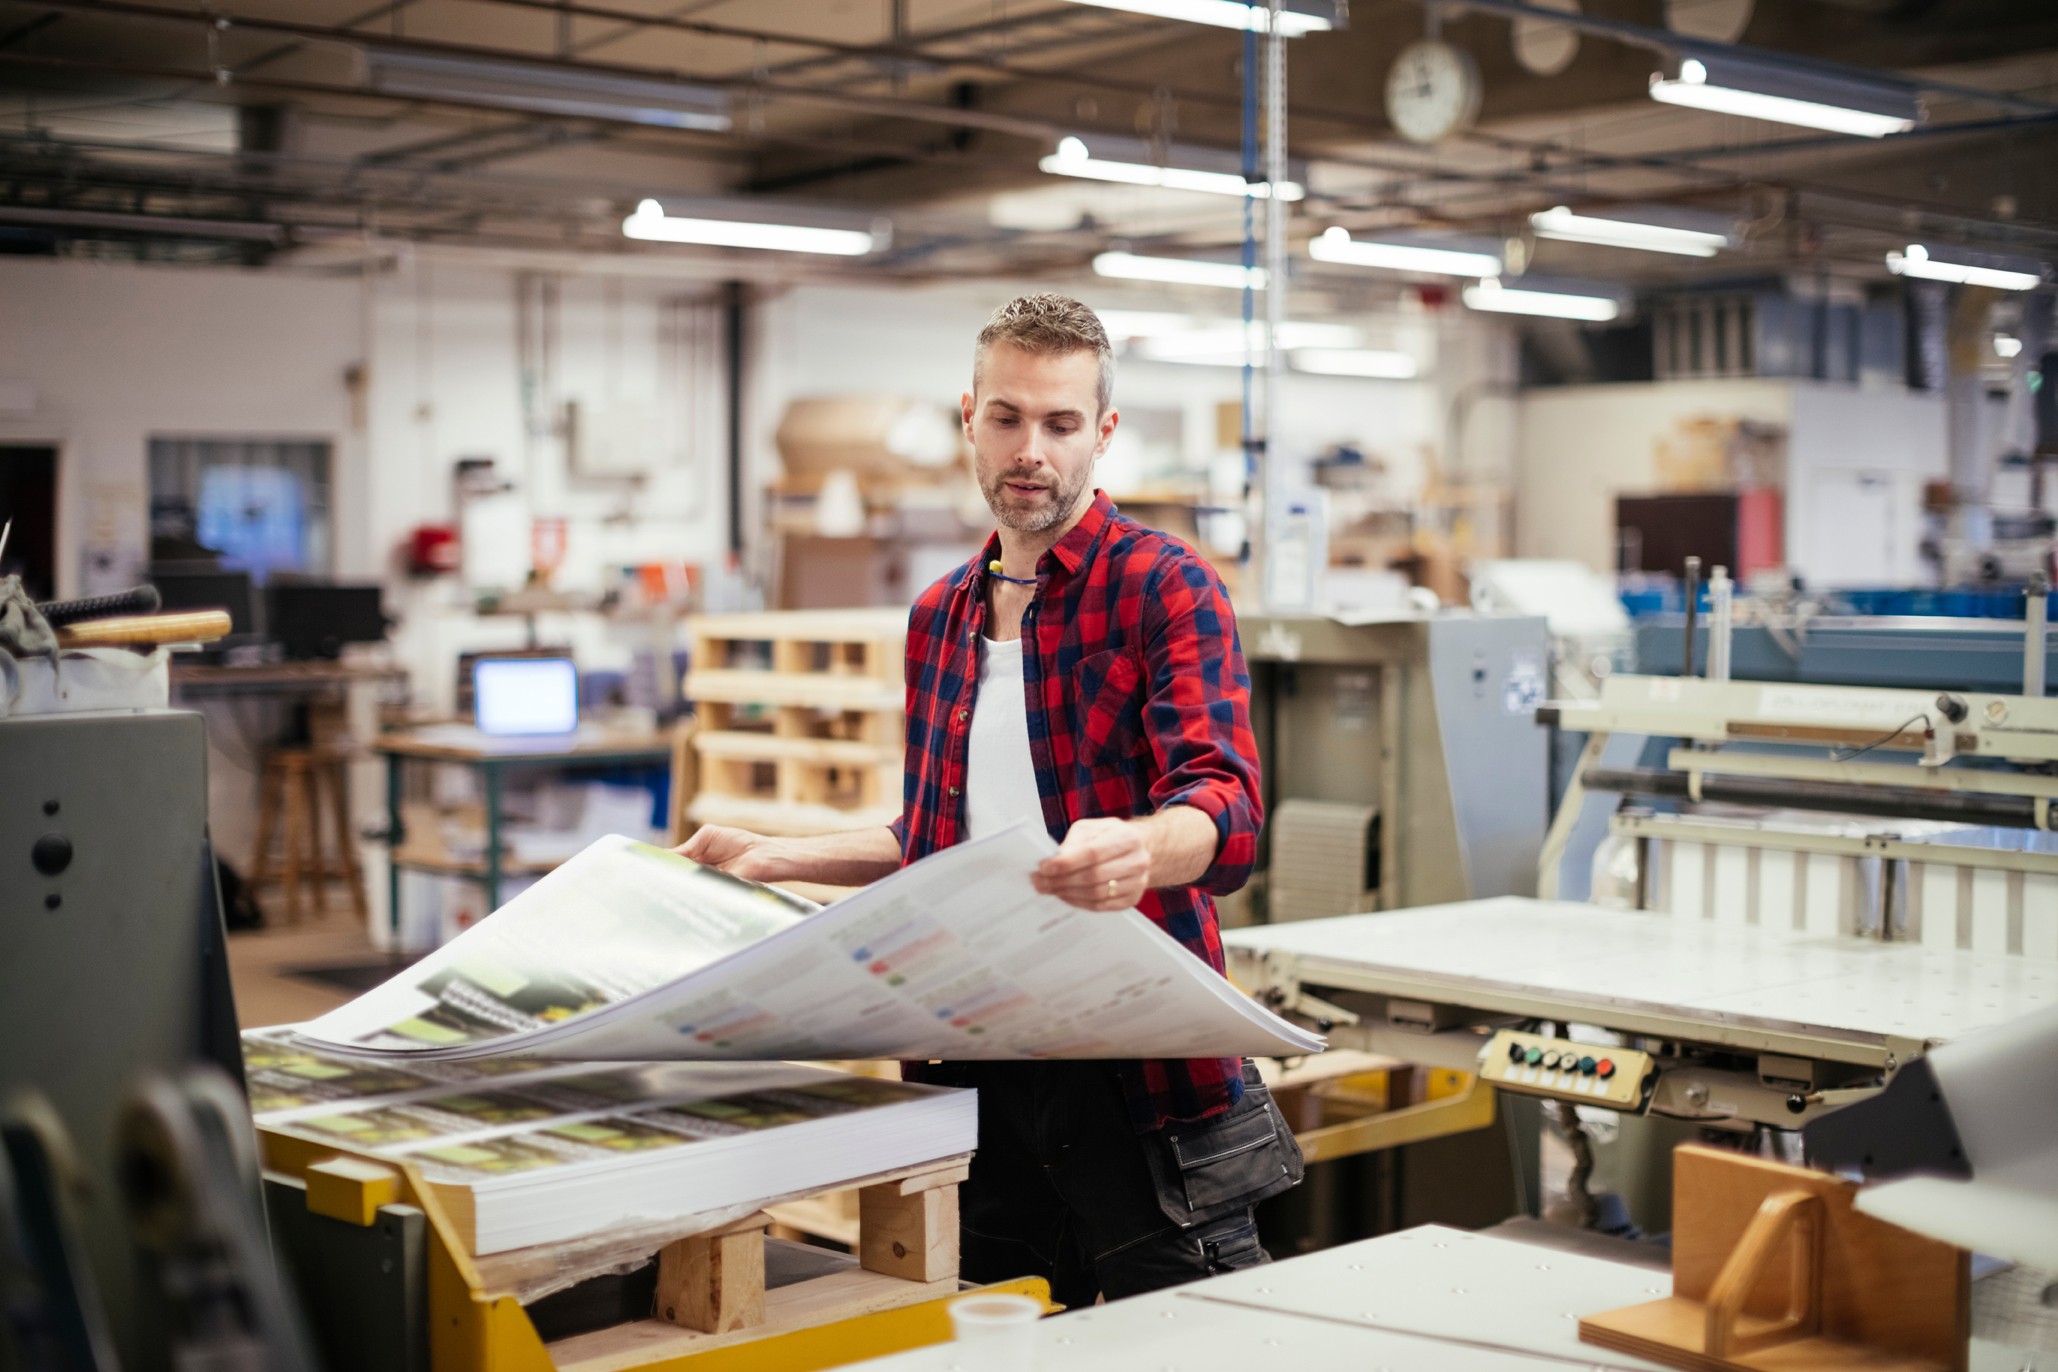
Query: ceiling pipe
{"points": [[161, 224]]}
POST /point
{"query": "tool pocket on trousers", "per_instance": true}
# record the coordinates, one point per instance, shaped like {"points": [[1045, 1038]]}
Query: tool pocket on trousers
{"points": [[1207, 1170], [1111, 715]]}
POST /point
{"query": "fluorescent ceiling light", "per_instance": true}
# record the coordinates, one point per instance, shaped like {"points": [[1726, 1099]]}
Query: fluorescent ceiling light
{"points": [[1295, 19], [1073, 159], [2007, 345], [1840, 105], [1562, 223], [1373, 362], [1490, 294], [1228, 343], [549, 89], [651, 224], [1336, 245], [1121, 324], [1179, 271], [1917, 261]]}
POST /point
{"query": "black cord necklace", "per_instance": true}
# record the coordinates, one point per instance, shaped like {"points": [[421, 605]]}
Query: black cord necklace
{"points": [[993, 569]]}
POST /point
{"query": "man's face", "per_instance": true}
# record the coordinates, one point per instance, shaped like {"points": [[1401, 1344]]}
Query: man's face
{"points": [[1035, 431]]}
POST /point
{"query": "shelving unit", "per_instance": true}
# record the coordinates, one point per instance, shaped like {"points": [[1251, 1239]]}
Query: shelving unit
{"points": [[801, 726]]}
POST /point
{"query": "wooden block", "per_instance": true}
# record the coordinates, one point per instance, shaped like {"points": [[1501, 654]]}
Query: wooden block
{"points": [[928, 1181], [911, 1236], [351, 1190], [715, 1282], [1879, 1296]]}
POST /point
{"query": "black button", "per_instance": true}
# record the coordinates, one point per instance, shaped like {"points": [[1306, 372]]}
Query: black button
{"points": [[52, 854], [1515, 1052]]}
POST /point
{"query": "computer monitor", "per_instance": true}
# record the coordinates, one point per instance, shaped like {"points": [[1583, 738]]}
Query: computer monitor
{"points": [[209, 589], [525, 696], [314, 619]]}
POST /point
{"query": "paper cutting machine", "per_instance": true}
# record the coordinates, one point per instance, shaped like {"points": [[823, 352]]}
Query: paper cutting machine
{"points": [[1812, 886]]}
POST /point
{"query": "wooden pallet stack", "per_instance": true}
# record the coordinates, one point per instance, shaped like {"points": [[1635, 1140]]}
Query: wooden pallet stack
{"points": [[800, 717]]}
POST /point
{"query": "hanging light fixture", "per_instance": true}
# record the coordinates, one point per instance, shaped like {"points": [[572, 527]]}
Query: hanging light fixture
{"points": [[1297, 18], [1335, 245], [1552, 300], [1179, 271], [651, 224], [1966, 268], [548, 89], [1641, 234], [1074, 159], [1783, 95]]}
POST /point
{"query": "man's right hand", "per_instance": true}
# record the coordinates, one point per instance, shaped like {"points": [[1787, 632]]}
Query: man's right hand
{"points": [[851, 857], [738, 852]]}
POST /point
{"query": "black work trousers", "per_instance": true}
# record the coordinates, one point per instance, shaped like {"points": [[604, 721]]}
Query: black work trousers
{"points": [[1063, 1187]]}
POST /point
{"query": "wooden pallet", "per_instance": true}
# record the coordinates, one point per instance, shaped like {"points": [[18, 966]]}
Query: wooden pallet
{"points": [[711, 1287], [800, 719]]}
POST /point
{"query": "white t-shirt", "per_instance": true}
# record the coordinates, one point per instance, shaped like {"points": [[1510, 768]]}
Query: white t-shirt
{"points": [[1000, 777]]}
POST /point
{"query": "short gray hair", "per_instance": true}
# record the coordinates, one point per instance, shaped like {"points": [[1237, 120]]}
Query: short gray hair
{"points": [[1050, 324]]}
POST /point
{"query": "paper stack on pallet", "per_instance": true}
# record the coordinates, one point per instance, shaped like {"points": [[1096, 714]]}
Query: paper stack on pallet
{"points": [[523, 1152]]}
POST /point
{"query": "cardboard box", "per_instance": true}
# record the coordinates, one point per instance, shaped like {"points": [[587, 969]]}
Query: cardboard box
{"points": [[880, 439]]}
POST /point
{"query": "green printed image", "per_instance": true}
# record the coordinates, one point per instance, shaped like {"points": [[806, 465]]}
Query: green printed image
{"points": [[487, 1107], [741, 1112], [492, 1157], [546, 996], [618, 1135], [369, 1128], [307, 1080]]}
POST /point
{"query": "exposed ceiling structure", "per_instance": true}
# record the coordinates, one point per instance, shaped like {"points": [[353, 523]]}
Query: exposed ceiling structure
{"points": [[308, 129]]}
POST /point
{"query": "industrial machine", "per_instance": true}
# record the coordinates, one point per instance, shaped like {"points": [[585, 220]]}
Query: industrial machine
{"points": [[1781, 896], [129, 1210], [1400, 763]]}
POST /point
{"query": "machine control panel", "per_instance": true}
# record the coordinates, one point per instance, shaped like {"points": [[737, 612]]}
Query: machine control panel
{"points": [[1619, 1078]]}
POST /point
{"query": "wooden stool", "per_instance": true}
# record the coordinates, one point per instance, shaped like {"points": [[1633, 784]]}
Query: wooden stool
{"points": [[292, 782]]}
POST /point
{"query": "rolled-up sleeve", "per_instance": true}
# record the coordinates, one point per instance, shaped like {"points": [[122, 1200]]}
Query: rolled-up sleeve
{"points": [[1197, 714]]}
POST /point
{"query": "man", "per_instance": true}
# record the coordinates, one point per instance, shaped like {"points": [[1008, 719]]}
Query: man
{"points": [[1082, 673]]}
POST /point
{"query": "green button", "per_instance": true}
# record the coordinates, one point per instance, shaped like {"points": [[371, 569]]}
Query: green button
{"points": [[1535, 1056]]}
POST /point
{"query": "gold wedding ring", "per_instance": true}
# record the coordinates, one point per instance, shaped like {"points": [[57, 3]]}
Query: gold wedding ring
{"points": [[1111, 888]]}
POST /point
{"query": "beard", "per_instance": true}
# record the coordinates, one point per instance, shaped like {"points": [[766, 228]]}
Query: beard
{"points": [[1034, 519]]}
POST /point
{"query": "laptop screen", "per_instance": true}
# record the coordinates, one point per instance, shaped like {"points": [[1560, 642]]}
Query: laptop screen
{"points": [[525, 695]]}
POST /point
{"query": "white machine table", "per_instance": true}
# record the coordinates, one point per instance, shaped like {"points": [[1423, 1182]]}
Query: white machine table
{"points": [[1425, 1300], [1744, 1023]]}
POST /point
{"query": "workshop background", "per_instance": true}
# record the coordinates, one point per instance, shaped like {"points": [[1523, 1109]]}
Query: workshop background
{"points": [[1615, 421]]}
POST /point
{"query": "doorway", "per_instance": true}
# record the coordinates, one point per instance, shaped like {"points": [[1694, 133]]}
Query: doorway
{"points": [[28, 497]]}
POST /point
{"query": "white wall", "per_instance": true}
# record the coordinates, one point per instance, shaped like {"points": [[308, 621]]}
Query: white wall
{"points": [[114, 354], [1856, 464], [1857, 459], [1578, 447]]}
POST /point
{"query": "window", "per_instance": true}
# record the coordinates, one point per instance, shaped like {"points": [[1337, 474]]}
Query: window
{"points": [[259, 505]]}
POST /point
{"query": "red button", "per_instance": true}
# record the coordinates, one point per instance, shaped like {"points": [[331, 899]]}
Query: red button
{"points": [[1605, 1068]]}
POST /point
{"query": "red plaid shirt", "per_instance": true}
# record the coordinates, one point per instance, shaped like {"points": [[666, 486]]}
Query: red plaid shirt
{"points": [[1137, 698]]}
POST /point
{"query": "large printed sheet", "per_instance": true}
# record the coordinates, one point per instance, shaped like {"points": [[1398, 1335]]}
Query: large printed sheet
{"points": [[632, 953]]}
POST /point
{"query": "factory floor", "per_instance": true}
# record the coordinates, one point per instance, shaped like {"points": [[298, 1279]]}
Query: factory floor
{"points": [[268, 967]]}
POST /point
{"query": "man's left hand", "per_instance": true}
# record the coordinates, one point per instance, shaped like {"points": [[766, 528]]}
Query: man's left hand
{"points": [[1103, 864]]}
